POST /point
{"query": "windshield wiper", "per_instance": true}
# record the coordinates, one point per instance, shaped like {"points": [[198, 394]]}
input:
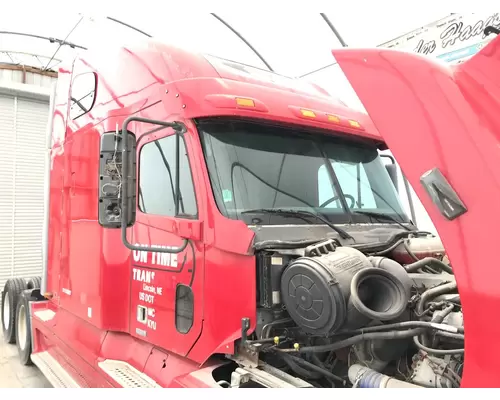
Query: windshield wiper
{"points": [[382, 216], [300, 214]]}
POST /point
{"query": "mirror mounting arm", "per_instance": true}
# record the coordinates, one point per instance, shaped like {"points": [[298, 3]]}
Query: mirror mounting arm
{"points": [[180, 129]]}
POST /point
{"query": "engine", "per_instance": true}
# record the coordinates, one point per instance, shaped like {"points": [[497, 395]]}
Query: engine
{"points": [[337, 316]]}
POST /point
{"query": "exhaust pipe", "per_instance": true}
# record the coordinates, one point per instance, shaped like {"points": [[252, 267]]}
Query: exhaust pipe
{"points": [[46, 194]]}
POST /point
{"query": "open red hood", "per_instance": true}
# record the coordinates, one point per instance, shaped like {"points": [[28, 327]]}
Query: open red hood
{"points": [[448, 117]]}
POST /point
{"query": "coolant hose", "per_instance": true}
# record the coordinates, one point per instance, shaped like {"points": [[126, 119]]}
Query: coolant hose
{"points": [[306, 364], [393, 335], [437, 352], [307, 373], [428, 261], [433, 292], [439, 317], [364, 377], [435, 324]]}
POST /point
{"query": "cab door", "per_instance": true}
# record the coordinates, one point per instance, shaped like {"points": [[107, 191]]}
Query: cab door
{"points": [[442, 123], [166, 288]]}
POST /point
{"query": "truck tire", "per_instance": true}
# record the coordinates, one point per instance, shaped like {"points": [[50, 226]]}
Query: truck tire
{"points": [[10, 297], [34, 283], [23, 328]]}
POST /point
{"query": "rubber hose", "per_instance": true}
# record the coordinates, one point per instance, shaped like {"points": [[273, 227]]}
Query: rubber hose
{"points": [[290, 361], [439, 352], [408, 250], [399, 325], [456, 336], [433, 292], [315, 360], [428, 261], [439, 317], [389, 249], [307, 364], [393, 335]]}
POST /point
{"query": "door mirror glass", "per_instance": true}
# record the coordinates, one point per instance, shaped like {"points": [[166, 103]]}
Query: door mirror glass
{"points": [[111, 211]]}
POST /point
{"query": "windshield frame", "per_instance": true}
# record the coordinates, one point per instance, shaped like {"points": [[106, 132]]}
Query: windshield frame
{"points": [[319, 137]]}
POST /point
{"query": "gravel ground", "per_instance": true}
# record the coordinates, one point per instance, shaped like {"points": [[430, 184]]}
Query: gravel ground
{"points": [[15, 375]]}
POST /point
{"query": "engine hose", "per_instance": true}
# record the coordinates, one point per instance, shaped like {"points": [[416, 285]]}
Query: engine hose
{"points": [[408, 250], [370, 333], [405, 325], [389, 249], [439, 317], [315, 360], [290, 361], [456, 336], [433, 292], [316, 368], [428, 261], [440, 352], [392, 335]]}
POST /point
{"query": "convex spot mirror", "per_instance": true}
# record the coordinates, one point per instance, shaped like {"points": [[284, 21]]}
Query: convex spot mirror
{"points": [[392, 170], [83, 91]]}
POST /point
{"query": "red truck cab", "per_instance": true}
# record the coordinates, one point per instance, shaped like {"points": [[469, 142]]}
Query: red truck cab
{"points": [[211, 224]]}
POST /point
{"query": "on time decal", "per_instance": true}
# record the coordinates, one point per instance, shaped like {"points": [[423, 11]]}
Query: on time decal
{"points": [[155, 258]]}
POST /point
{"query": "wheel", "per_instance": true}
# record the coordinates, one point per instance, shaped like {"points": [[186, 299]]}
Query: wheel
{"points": [[10, 296], [23, 328], [34, 283]]}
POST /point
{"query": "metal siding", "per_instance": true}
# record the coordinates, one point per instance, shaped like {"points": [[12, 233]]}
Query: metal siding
{"points": [[22, 147], [7, 149]]}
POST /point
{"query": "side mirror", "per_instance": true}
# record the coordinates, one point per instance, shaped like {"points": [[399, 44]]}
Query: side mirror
{"points": [[392, 170], [111, 180]]}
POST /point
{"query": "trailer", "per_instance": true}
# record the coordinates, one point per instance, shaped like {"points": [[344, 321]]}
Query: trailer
{"points": [[452, 39]]}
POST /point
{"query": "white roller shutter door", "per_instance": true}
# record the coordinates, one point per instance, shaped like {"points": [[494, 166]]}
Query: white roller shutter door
{"points": [[22, 142]]}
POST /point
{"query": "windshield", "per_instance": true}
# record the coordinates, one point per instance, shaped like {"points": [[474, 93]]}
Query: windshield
{"points": [[255, 165]]}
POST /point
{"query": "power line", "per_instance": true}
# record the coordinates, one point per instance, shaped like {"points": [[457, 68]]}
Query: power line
{"points": [[244, 40], [61, 43]]}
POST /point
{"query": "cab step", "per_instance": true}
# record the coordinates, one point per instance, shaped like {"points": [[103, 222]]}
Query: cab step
{"points": [[126, 375], [53, 371]]}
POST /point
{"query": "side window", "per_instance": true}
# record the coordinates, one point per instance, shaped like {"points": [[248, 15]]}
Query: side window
{"points": [[157, 172], [83, 94], [353, 182]]}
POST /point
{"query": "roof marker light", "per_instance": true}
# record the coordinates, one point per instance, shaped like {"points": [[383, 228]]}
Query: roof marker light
{"points": [[307, 113], [354, 124], [245, 102], [333, 118]]}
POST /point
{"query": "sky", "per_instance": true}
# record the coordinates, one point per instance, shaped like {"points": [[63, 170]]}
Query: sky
{"points": [[294, 42]]}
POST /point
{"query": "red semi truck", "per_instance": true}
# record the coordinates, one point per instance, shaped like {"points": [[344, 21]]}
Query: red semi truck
{"points": [[210, 224]]}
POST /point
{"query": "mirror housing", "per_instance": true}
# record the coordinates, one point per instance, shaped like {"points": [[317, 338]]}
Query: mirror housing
{"points": [[111, 179], [392, 170]]}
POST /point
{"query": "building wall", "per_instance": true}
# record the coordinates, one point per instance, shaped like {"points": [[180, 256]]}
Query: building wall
{"points": [[23, 120]]}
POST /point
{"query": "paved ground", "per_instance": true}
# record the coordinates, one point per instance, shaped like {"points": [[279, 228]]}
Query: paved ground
{"points": [[15, 375]]}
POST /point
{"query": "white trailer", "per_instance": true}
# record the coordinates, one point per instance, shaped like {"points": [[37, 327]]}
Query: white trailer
{"points": [[452, 39]]}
